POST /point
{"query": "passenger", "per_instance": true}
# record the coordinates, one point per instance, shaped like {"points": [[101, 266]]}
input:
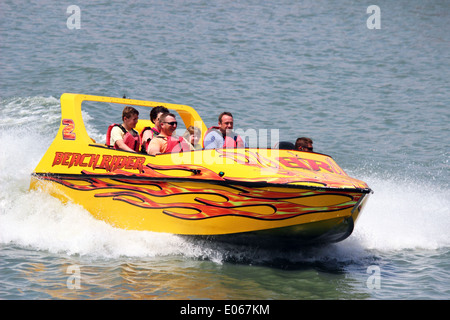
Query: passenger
{"points": [[148, 133], [165, 142], [123, 136], [223, 136], [304, 144], [192, 135]]}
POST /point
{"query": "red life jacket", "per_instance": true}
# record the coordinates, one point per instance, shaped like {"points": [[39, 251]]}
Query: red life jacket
{"points": [[176, 145], [228, 141], [132, 141], [147, 142]]}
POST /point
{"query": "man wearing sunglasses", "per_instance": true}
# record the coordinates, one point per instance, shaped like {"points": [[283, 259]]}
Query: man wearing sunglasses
{"points": [[223, 135], [304, 144], [165, 142]]}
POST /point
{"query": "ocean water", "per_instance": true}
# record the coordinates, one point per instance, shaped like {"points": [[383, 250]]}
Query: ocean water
{"points": [[377, 100]]}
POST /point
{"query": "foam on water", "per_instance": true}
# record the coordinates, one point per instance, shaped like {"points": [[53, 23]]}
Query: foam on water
{"points": [[401, 214], [36, 220], [405, 214]]}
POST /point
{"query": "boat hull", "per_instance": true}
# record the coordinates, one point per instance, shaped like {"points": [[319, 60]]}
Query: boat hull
{"points": [[239, 213], [292, 237]]}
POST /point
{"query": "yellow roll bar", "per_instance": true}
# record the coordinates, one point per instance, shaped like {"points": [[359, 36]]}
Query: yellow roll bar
{"points": [[71, 109]]}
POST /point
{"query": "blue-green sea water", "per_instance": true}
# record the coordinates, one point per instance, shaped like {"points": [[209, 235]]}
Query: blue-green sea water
{"points": [[375, 99]]}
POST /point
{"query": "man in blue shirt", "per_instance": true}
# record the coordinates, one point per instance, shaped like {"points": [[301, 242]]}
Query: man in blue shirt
{"points": [[223, 135]]}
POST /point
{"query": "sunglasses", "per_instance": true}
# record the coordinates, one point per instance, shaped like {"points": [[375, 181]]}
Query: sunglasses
{"points": [[173, 123]]}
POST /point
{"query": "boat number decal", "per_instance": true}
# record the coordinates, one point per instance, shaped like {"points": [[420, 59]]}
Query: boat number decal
{"points": [[68, 133], [97, 161]]}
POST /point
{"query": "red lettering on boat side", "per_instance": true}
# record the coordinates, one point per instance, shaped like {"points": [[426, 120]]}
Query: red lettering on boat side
{"points": [[118, 162], [130, 163], [74, 160], [293, 162], [108, 162], [65, 159], [81, 161], [318, 165], [139, 164], [308, 164], [93, 161], [58, 158]]}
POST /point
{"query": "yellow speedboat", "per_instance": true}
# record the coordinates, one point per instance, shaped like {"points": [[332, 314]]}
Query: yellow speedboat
{"points": [[244, 195]]}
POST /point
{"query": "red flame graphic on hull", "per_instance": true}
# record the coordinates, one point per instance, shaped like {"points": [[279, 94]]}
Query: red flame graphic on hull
{"points": [[202, 199]]}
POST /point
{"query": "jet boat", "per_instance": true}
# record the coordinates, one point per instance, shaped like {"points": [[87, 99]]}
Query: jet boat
{"points": [[260, 196]]}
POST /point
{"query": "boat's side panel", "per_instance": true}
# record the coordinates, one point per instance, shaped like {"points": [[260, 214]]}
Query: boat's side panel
{"points": [[198, 207]]}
